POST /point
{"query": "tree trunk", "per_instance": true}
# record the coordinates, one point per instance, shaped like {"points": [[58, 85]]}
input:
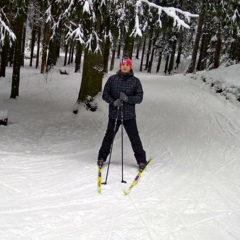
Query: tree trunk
{"points": [[138, 48], [4, 57], [171, 62], [200, 58], [11, 56], [152, 54], [151, 61], [237, 52], [217, 50], [191, 67], [17, 61], [143, 51], [78, 57], [33, 40], [119, 48], [166, 64], [52, 55], [66, 54], [70, 53], [205, 50], [128, 46], [178, 60], [159, 61], [113, 58], [106, 55], [23, 44], [92, 75], [45, 45], [38, 46], [148, 50]]}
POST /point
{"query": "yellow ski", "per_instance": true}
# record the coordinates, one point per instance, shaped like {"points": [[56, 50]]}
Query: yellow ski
{"points": [[99, 180], [136, 179]]}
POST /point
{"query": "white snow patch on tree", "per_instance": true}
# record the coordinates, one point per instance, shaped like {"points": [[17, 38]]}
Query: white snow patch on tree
{"points": [[3, 114]]}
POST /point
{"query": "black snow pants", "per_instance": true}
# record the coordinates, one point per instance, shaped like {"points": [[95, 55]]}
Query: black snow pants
{"points": [[132, 132]]}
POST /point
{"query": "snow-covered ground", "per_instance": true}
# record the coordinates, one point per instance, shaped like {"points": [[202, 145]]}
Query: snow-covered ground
{"points": [[48, 173]]}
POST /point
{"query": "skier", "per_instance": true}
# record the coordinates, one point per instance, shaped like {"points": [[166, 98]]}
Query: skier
{"points": [[122, 91]]}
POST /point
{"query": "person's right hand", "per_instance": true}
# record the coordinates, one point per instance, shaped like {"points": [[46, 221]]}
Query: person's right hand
{"points": [[117, 103]]}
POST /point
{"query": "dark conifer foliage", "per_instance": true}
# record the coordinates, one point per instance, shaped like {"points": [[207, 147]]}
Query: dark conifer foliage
{"points": [[151, 31]]}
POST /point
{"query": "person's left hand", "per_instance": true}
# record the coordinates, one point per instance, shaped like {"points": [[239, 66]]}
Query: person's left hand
{"points": [[123, 97]]}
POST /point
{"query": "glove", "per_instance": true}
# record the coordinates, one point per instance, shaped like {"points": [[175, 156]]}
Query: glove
{"points": [[123, 97], [117, 103]]}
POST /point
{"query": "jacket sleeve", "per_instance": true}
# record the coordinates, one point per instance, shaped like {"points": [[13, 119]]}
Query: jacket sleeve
{"points": [[137, 97], [106, 96]]}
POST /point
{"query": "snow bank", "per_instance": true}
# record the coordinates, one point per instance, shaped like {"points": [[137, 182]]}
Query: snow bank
{"points": [[224, 81]]}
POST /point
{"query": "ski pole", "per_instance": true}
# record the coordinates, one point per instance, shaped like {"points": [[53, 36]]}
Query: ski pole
{"points": [[114, 132], [123, 181]]}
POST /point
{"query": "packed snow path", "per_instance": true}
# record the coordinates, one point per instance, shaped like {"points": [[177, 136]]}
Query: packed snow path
{"points": [[48, 174]]}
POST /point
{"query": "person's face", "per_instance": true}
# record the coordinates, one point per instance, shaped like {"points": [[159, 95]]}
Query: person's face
{"points": [[125, 68]]}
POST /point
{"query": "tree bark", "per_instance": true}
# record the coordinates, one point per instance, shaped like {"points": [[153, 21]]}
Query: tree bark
{"points": [[128, 46], [151, 60], [78, 57], [38, 46], [238, 50], [119, 47], [52, 54], [17, 61], [33, 40], [11, 56], [23, 44], [217, 50], [166, 64], [139, 44], [92, 75], [148, 51], [200, 58], [66, 54], [106, 55], [113, 58], [172, 55], [152, 53], [4, 57], [70, 53], [45, 45], [178, 60], [159, 61], [143, 51]]}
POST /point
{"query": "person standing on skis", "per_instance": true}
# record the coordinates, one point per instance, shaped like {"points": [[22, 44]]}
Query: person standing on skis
{"points": [[123, 90]]}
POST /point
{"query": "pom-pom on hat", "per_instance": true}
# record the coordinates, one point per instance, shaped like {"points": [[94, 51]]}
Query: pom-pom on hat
{"points": [[126, 60]]}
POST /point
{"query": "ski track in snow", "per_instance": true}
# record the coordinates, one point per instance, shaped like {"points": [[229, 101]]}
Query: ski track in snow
{"points": [[190, 191]]}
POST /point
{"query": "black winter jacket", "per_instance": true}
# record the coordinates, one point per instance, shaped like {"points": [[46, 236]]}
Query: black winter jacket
{"points": [[128, 84]]}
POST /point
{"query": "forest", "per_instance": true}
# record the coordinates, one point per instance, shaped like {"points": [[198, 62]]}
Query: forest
{"points": [[93, 33]]}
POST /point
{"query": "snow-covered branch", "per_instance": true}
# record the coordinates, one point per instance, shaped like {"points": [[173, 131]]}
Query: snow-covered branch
{"points": [[87, 32], [93, 37], [5, 30], [235, 15], [76, 34], [170, 11]]}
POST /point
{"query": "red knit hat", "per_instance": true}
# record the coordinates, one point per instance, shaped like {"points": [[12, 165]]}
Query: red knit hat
{"points": [[126, 60]]}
